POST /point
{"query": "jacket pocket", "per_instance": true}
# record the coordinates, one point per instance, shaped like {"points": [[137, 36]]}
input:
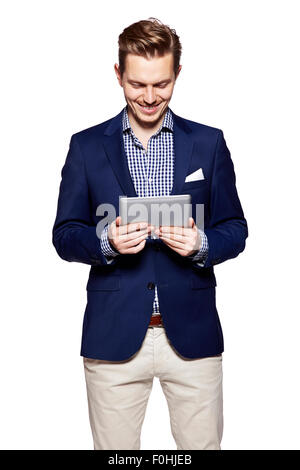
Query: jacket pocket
{"points": [[112, 282], [195, 184], [202, 282]]}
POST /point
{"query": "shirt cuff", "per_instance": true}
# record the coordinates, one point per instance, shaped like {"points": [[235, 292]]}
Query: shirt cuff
{"points": [[106, 247], [202, 253]]}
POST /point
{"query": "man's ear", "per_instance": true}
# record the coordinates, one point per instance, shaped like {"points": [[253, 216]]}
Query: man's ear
{"points": [[117, 71], [178, 70]]}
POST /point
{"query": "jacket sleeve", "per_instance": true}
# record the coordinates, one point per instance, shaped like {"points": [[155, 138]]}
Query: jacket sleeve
{"points": [[227, 230], [74, 233]]}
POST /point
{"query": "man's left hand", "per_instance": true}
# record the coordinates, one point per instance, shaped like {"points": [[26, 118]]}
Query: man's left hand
{"points": [[184, 240]]}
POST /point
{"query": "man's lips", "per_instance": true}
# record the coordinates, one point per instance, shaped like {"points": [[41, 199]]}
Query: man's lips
{"points": [[149, 110]]}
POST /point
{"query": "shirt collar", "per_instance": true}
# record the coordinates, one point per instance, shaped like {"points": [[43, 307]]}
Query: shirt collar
{"points": [[166, 124]]}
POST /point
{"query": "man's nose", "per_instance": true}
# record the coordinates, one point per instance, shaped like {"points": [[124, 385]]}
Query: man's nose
{"points": [[150, 96]]}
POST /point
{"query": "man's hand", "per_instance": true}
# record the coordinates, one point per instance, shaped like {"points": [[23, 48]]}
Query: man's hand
{"points": [[129, 238], [184, 240]]}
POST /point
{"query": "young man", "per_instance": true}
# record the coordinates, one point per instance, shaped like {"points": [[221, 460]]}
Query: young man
{"points": [[151, 307]]}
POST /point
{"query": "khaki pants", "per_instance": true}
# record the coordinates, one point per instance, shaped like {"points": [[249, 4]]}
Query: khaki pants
{"points": [[118, 393]]}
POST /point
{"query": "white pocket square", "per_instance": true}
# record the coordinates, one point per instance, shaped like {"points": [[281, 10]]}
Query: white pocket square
{"points": [[195, 176]]}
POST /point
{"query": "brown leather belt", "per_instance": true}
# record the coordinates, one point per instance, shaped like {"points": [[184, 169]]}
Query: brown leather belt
{"points": [[156, 320]]}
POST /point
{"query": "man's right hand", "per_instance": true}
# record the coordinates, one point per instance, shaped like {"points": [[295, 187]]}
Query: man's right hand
{"points": [[129, 238]]}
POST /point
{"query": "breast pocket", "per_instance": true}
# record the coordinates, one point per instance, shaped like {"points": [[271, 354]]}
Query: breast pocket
{"points": [[195, 185]]}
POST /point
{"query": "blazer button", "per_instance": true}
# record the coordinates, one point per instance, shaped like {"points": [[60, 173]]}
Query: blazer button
{"points": [[150, 285]]}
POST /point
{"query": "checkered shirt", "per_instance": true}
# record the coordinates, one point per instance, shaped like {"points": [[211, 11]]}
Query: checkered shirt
{"points": [[152, 174]]}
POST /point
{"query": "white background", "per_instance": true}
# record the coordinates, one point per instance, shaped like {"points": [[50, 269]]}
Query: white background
{"points": [[240, 74]]}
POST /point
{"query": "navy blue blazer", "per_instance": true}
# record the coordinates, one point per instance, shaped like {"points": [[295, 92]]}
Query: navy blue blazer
{"points": [[120, 295]]}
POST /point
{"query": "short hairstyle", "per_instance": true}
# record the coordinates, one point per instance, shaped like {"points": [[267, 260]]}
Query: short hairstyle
{"points": [[148, 38]]}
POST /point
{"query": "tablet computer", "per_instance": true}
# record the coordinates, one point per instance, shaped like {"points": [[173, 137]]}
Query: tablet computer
{"points": [[172, 210]]}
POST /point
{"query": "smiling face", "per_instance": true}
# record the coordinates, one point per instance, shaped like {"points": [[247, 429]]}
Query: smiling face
{"points": [[148, 87]]}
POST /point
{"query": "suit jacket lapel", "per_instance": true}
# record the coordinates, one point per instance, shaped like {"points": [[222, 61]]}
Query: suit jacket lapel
{"points": [[183, 146], [114, 149]]}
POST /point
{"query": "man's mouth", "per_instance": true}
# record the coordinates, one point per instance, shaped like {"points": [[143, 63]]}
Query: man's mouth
{"points": [[149, 109]]}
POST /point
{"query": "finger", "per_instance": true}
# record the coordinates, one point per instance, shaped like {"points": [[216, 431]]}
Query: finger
{"points": [[133, 227], [128, 236], [137, 225], [123, 235], [137, 248], [188, 245], [191, 222], [112, 228], [181, 251], [175, 229], [172, 242], [175, 236], [133, 239]]}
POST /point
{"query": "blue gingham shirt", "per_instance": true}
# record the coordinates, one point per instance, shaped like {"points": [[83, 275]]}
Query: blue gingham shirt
{"points": [[152, 174]]}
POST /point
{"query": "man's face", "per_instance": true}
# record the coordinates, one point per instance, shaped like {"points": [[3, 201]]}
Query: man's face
{"points": [[148, 86]]}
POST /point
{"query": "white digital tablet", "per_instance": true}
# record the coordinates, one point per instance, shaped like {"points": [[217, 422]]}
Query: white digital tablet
{"points": [[172, 210]]}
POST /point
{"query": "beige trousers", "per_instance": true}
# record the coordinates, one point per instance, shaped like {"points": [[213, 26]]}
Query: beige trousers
{"points": [[118, 393]]}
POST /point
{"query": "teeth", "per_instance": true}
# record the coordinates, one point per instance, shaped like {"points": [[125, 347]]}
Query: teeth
{"points": [[148, 107]]}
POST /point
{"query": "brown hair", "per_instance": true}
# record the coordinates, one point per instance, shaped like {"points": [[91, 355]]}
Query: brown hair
{"points": [[147, 38]]}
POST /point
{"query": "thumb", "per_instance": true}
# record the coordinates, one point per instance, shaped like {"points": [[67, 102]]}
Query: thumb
{"points": [[191, 222], [118, 220]]}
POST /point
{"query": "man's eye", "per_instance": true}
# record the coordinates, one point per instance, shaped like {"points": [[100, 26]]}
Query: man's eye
{"points": [[135, 85]]}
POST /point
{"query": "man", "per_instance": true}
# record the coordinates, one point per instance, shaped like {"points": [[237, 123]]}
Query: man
{"points": [[151, 307]]}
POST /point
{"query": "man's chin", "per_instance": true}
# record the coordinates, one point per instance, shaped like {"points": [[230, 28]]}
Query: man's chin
{"points": [[149, 118]]}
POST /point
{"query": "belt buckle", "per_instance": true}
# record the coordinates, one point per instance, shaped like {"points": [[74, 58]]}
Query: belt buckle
{"points": [[158, 324]]}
